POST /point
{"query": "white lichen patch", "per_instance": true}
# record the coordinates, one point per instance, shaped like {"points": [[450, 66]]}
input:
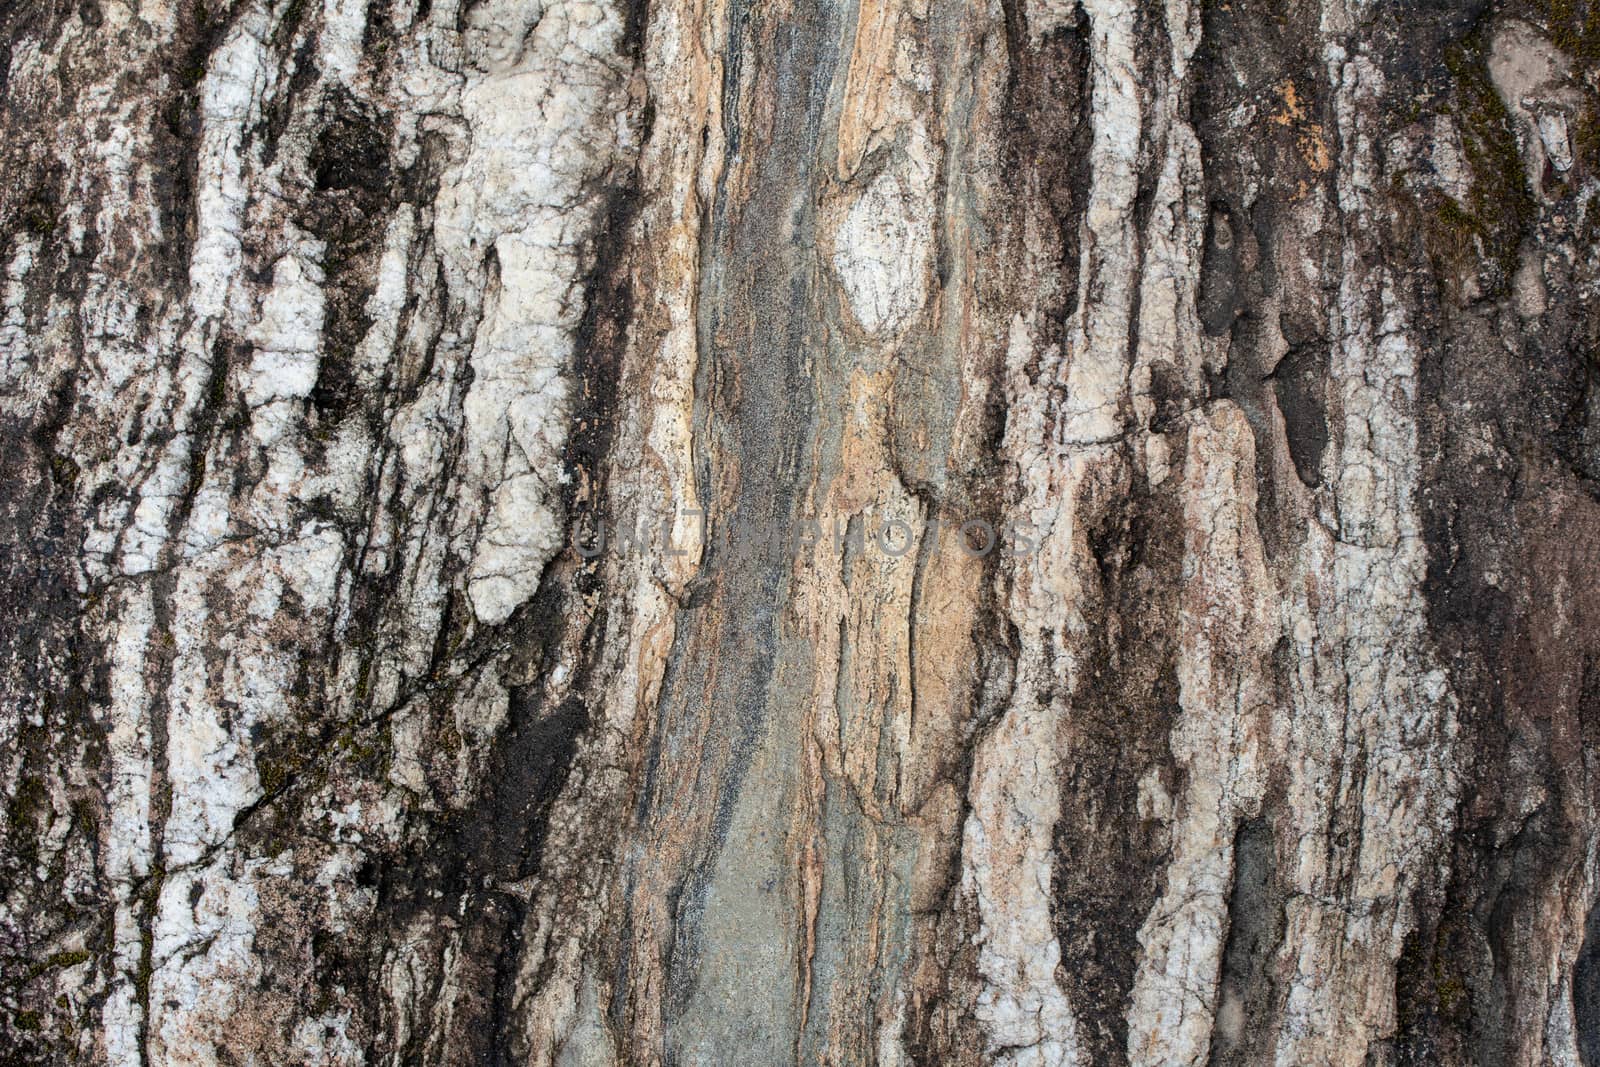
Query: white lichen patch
{"points": [[1008, 852], [15, 358], [286, 336], [1557, 142], [1367, 689], [1227, 632], [202, 959], [882, 250], [542, 133], [1534, 80], [1008, 855], [1097, 363], [128, 845], [1449, 161]]}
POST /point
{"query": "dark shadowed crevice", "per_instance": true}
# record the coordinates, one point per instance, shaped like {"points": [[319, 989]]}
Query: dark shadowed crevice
{"points": [[52, 682], [350, 201], [1256, 55], [1300, 384], [1110, 858], [1586, 991], [1219, 273], [1246, 992]]}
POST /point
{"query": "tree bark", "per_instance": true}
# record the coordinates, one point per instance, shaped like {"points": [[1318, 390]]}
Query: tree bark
{"points": [[597, 532]]}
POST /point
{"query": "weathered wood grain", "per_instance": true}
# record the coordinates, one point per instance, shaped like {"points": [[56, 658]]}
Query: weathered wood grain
{"points": [[495, 509]]}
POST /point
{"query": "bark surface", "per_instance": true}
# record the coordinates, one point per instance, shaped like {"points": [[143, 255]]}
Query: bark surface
{"points": [[1259, 340]]}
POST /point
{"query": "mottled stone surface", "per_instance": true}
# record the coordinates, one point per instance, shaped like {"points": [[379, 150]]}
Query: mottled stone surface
{"points": [[1258, 341]]}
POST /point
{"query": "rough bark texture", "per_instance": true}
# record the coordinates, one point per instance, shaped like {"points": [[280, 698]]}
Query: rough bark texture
{"points": [[1265, 335]]}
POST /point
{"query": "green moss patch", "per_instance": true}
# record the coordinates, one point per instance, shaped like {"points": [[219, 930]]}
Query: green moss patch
{"points": [[1500, 207]]}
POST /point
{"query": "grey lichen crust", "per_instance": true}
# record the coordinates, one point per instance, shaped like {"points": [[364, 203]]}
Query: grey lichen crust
{"points": [[330, 332]]}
